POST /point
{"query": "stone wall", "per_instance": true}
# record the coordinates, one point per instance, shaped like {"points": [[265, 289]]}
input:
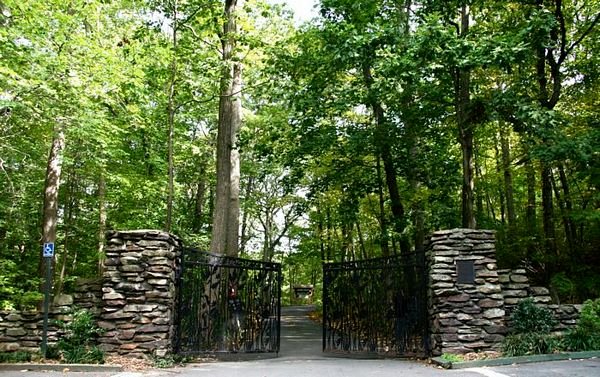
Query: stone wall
{"points": [[475, 316], [88, 295], [516, 287], [22, 330], [136, 297], [464, 317], [139, 292], [133, 301]]}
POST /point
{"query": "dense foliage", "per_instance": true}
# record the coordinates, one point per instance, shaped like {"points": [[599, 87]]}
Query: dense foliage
{"points": [[78, 345], [530, 318], [532, 325], [363, 130]]}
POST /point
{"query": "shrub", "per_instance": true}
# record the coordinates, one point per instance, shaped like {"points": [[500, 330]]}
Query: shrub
{"points": [[15, 357], [579, 339], [528, 318], [590, 316], [586, 335], [77, 346], [529, 344], [30, 300]]}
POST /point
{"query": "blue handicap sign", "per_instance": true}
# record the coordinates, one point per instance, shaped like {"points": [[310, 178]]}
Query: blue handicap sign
{"points": [[48, 250]]}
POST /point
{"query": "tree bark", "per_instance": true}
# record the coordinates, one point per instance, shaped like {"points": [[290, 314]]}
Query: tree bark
{"points": [[102, 216], [51, 187], [465, 130], [233, 223], [384, 238], [507, 173], [245, 215], [171, 124], [530, 215], [199, 205], [563, 206], [382, 137], [548, 210], [570, 228], [226, 212], [320, 233]]}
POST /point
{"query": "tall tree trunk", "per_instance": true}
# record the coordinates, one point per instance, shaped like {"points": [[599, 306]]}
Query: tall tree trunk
{"points": [[479, 194], [171, 123], [499, 171], [465, 129], [384, 238], [329, 229], [415, 184], [245, 216], [320, 233], [382, 136], [68, 209], [548, 210], [268, 236], [562, 206], [199, 205], [226, 212], [507, 172], [361, 239], [233, 223], [51, 187], [530, 215], [570, 228], [68, 223], [102, 216]]}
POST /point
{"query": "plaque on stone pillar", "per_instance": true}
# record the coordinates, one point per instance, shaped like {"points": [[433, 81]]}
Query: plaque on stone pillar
{"points": [[465, 272]]}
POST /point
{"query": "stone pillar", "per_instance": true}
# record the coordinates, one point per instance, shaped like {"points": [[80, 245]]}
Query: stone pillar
{"points": [[139, 292], [466, 315]]}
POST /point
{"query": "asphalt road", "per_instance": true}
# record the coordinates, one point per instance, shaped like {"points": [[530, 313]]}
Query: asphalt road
{"points": [[301, 356]]}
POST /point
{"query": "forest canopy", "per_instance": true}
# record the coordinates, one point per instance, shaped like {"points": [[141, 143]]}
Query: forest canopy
{"points": [[350, 136]]}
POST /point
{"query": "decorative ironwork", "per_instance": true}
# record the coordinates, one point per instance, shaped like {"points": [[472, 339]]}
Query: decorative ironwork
{"points": [[227, 305], [376, 306]]}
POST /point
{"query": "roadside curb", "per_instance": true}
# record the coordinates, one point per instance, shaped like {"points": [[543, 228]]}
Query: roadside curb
{"points": [[63, 367], [515, 360]]}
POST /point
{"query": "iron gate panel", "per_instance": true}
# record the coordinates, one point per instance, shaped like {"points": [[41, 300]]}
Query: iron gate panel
{"points": [[376, 307], [227, 305]]}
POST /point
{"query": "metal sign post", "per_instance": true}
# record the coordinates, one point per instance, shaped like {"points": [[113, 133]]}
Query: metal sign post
{"points": [[47, 253]]}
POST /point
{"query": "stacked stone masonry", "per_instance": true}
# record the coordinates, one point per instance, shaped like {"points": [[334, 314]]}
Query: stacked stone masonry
{"points": [[139, 292], [465, 317], [516, 287], [22, 330], [134, 300], [476, 317]]}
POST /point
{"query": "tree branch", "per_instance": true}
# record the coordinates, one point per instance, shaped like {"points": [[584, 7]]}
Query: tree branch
{"points": [[580, 39]]}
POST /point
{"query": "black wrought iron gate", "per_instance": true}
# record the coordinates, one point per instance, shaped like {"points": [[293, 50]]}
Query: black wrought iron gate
{"points": [[376, 307], [227, 305]]}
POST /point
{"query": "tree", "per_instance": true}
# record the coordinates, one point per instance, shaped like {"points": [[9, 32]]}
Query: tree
{"points": [[227, 207]]}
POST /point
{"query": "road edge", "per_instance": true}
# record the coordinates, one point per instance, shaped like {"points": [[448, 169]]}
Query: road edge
{"points": [[515, 360], [63, 367]]}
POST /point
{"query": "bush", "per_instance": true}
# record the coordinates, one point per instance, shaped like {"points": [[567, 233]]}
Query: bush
{"points": [[529, 344], [77, 346], [15, 357], [30, 300], [590, 316], [528, 318], [586, 335], [578, 339]]}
